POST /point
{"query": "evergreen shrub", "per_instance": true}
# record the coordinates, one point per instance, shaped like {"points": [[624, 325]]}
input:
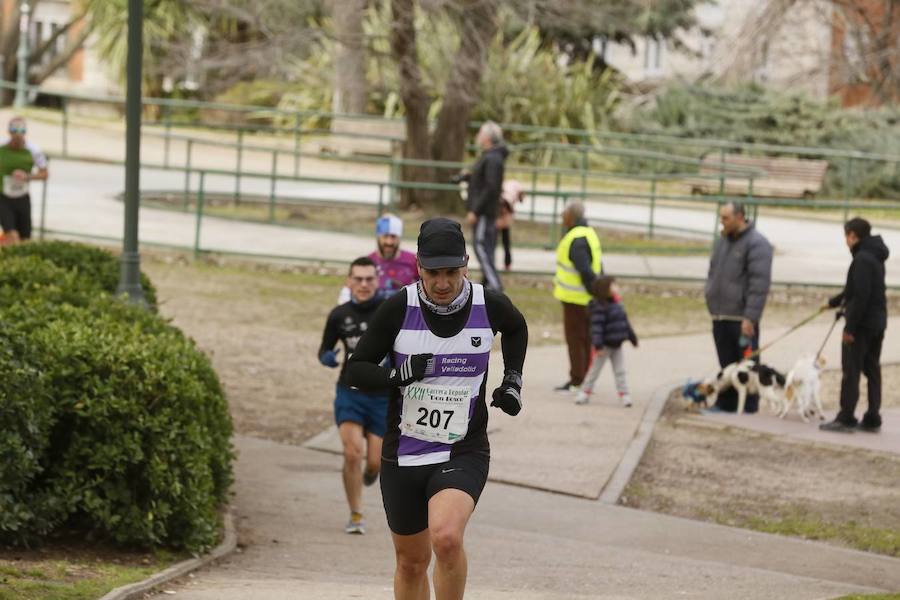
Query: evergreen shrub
{"points": [[97, 264], [112, 421]]}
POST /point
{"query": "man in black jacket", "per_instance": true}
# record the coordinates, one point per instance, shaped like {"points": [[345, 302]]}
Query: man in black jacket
{"points": [[485, 186], [864, 302]]}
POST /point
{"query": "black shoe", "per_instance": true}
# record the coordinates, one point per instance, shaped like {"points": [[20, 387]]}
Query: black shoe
{"points": [[837, 426], [868, 428], [369, 478], [566, 388]]}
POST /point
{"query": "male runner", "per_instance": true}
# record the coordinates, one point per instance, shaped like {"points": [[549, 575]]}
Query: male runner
{"points": [[396, 267], [435, 459], [360, 417], [18, 161]]}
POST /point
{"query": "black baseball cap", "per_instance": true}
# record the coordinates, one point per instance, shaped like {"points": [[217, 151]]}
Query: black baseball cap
{"points": [[441, 244]]}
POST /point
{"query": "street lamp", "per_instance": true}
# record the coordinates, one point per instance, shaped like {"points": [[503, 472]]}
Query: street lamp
{"points": [[130, 272], [22, 54]]}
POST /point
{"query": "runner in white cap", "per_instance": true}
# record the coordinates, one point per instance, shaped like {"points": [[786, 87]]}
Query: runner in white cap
{"points": [[396, 267]]}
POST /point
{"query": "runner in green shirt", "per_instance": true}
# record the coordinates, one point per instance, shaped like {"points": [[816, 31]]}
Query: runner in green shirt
{"points": [[20, 163]]}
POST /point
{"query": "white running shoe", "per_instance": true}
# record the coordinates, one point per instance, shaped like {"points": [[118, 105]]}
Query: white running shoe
{"points": [[582, 397], [626, 400], [356, 524]]}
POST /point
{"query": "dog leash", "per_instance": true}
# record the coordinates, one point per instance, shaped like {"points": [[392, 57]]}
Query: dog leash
{"points": [[837, 317], [759, 351]]}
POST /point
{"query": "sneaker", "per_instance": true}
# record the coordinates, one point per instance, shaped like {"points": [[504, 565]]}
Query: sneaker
{"points": [[356, 524], [868, 428], [582, 397], [369, 478], [712, 410], [837, 427], [566, 388], [626, 400]]}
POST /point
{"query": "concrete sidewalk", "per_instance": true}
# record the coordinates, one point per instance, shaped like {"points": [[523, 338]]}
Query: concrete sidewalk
{"points": [[591, 440], [522, 544], [793, 428], [544, 537]]}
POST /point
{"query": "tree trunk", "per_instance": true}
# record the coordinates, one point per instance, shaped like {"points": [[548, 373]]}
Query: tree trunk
{"points": [[8, 45], [477, 26], [415, 100], [350, 88]]}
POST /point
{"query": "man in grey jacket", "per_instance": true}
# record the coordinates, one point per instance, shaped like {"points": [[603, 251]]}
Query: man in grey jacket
{"points": [[740, 273]]}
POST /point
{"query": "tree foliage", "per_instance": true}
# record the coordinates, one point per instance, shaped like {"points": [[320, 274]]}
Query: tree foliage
{"points": [[753, 114]]}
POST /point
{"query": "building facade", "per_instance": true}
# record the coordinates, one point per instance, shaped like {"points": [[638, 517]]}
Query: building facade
{"points": [[820, 47]]}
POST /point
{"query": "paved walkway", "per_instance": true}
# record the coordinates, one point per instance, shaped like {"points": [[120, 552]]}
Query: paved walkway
{"points": [[545, 536], [82, 200], [792, 427]]}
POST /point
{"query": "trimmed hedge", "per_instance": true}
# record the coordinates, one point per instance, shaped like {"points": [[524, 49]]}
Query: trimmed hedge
{"points": [[111, 420], [96, 264]]}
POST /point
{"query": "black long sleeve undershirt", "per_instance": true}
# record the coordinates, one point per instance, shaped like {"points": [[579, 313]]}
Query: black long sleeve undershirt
{"points": [[363, 370]]}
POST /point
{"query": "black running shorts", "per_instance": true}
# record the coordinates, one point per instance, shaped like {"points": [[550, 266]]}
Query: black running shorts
{"points": [[407, 490], [15, 214]]}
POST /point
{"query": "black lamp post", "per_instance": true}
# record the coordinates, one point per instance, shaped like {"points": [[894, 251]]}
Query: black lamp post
{"points": [[130, 274]]}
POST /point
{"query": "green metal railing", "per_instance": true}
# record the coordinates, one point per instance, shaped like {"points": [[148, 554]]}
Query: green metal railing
{"points": [[670, 146], [557, 184]]}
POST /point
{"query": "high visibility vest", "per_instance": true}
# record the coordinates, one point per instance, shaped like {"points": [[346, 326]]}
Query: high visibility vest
{"points": [[567, 284]]}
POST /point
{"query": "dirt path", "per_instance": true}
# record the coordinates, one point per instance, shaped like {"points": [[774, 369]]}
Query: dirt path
{"points": [[262, 333]]}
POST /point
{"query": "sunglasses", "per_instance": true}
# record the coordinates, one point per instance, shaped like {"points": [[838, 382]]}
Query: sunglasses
{"points": [[17, 130]]}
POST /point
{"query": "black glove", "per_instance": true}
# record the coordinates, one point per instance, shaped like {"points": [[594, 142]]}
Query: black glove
{"points": [[413, 369], [633, 339], [508, 397]]}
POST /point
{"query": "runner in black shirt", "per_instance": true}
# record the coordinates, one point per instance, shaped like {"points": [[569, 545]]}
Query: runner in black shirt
{"points": [[360, 417], [438, 333]]}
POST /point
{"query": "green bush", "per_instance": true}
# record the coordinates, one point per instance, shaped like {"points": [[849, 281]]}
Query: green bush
{"points": [[111, 420], [27, 413], [28, 277], [96, 264]]}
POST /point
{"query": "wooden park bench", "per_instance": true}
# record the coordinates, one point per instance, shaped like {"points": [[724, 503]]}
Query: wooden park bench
{"points": [[359, 135], [777, 177]]}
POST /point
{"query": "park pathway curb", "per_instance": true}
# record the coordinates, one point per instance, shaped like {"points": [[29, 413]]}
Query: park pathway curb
{"points": [[133, 591], [613, 489]]}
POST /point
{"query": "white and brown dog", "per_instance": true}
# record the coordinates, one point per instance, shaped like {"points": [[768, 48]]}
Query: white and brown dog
{"points": [[802, 388]]}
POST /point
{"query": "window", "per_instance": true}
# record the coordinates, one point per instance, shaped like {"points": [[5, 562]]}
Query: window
{"points": [[653, 56]]}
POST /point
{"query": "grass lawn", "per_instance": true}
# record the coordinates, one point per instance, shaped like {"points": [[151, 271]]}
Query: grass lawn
{"points": [[871, 597], [358, 219], [75, 574]]}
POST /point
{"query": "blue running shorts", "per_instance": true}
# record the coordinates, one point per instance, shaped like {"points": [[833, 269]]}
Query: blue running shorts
{"points": [[369, 410]]}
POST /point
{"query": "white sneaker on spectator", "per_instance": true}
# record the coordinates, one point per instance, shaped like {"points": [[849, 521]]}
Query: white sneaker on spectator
{"points": [[582, 397], [625, 399]]}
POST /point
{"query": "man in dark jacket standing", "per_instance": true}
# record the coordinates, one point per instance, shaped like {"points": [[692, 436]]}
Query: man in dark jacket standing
{"points": [[485, 186], [864, 302], [740, 273]]}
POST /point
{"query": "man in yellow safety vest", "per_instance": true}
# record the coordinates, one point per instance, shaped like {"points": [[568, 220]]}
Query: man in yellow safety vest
{"points": [[577, 265]]}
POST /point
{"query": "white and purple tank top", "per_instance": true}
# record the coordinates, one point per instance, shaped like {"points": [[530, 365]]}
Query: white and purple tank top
{"points": [[435, 412]]}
